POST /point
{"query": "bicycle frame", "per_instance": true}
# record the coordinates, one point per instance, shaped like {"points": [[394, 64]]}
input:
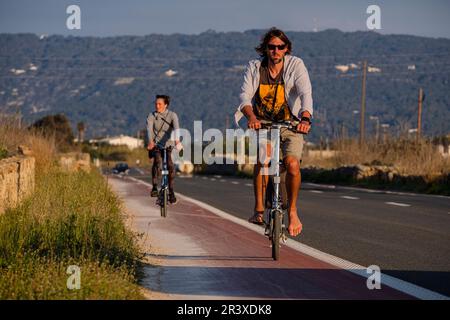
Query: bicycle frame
{"points": [[276, 203], [165, 170]]}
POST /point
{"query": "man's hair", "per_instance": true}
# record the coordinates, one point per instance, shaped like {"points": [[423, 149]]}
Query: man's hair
{"points": [[273, 32], [164, 97]]}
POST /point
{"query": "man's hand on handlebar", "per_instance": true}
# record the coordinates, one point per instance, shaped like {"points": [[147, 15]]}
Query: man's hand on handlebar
{"points": [[178, 145], [304, 127], [254, 123], [151, 145]]}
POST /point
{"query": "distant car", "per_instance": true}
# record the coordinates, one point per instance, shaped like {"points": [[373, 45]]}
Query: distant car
{"points": [[121, 167]]}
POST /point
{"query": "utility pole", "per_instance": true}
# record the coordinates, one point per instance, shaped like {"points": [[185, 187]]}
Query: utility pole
{"points": [[363, 104], [419, 115], [227, 122]]}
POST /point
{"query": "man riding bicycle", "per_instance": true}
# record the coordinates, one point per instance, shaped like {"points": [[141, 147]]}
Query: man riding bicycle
{"points": [[277, 88], [160, 125]]}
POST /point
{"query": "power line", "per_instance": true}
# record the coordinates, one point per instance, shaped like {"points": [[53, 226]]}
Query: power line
{"points": [[362, 56]]}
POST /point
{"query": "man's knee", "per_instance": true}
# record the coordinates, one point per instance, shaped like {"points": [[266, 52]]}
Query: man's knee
{"points": [[292, 166], [260, 168]]}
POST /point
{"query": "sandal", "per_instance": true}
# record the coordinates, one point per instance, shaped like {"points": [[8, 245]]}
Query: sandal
{"points": [[257, 218]]}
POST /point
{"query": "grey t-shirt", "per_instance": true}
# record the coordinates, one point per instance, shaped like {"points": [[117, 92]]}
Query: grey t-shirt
{"points": [[160, 127]]}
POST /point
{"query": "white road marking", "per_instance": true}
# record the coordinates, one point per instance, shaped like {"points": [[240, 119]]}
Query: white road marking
{"points": [[223, 180], [204, 178], [212, 179], [401, 193], [185, 176], [217, 176], [251, 185], [349, 198], [315, 191], [328, 186], [234, 182], [140, 171], [395, 283], [398, 204], [375, 191]]}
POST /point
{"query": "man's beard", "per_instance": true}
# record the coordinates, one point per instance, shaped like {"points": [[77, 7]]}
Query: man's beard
{"points": [[276, 60]]}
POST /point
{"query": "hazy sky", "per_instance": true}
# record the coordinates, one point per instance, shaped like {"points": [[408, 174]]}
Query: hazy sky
{"points": [[138, 17]]}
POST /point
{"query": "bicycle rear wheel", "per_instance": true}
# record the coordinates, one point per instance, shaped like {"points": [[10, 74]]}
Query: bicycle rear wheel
{"points": [[163, 203], [276, 234]]}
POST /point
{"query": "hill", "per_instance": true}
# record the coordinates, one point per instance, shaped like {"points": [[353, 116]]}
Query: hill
{"points": [[109, 83]]}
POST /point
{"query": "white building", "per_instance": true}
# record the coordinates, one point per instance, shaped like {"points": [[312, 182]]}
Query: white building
{"points": [[130, 142], [17, 71], [346, 67], [171, 73], [373, 69], [342, 68]]}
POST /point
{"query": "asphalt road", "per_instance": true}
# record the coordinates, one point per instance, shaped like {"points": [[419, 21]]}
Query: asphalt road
{"points": [[406, 235]]}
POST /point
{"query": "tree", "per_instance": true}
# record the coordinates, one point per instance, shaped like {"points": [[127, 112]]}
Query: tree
{"points": [[57, 125]]}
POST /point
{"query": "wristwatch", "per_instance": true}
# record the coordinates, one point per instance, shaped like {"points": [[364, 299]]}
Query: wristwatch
{"points": [[307, 119]]}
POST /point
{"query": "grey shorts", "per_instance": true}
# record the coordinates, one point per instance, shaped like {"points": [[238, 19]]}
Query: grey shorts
{"points": [[291, 144]]}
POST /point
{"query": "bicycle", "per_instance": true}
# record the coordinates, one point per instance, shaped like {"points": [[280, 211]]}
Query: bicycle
{"points": [[275, 228], [164, 191]]}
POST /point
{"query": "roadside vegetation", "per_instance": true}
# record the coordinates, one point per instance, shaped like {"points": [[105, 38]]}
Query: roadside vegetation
{"points": [[401, 164], [110, 155], [409, 157], [72, 218]]}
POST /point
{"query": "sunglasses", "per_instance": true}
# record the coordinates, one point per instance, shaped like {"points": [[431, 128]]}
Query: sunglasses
{"points": [[273, 46]]}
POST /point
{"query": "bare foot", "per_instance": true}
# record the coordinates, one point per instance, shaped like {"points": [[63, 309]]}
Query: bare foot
{"points": [[295, 226]]}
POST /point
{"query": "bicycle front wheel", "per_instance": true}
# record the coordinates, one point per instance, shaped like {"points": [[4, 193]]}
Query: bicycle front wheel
{"points": [[163, 203], [276, 234]]}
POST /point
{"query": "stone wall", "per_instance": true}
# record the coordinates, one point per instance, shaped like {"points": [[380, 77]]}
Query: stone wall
{"points": [[17, 180], [74, 161]]}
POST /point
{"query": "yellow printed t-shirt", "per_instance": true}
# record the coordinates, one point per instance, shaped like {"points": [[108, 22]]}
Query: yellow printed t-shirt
{"points": [[270, 101]]}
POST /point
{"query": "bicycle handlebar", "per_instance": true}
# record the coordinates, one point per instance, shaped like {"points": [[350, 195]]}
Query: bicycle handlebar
{"points": [[290, 125]]}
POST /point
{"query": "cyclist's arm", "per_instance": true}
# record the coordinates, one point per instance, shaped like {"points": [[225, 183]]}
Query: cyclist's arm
{"points": [[150, 125], [248, 89], [176, 126], [248, 112], [304, 89]]}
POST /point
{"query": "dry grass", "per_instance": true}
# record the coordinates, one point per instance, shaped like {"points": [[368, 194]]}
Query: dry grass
{"points": [[42, 147], [407, 156]]}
